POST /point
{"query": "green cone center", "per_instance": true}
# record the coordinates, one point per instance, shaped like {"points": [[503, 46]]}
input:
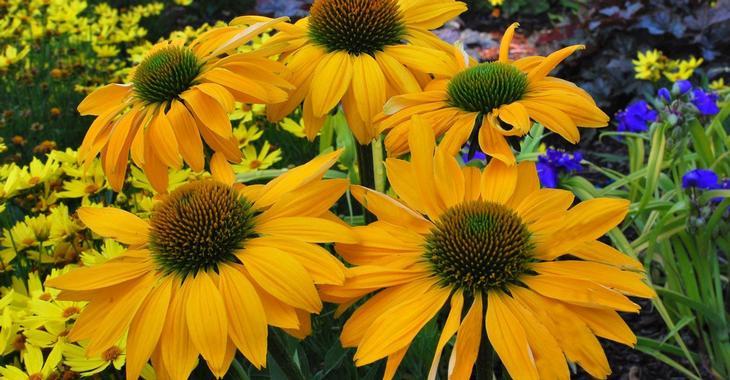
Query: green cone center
{"points": [[165, 74], [486, 86], [477, 246], [356, 26], [200, 225]]}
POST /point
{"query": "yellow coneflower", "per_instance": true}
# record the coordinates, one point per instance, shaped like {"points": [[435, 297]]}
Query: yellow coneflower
{"points": [[359, 53], [494, 249], [492, 100], [210, 270], [179, 93]]}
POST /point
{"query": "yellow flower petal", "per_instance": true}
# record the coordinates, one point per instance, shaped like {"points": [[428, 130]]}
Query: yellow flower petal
{"points": [[247, 324], [205, 316], [498, 182], [509, 339], [309, 229], [468, 339], [146, 327], [453, 321], [333, 76], [282, 276]]}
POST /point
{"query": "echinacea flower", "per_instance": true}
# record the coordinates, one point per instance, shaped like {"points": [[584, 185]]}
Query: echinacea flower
{"points": [[491, 248], [492, 100], [179, 93], [210, 270], [359, 53]]}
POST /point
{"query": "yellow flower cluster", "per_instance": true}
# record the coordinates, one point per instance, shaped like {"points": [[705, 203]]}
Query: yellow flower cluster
{"points": [[653, 64], [33, 322]]}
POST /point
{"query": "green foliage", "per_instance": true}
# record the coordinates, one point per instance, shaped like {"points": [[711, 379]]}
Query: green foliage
{"points": [[682, 235]]}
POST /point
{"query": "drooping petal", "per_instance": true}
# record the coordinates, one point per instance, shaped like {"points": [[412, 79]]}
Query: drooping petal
{"points": [[453, 321], [146, 327], [323, 267], [579, 292], [368, 84], [333, 77], [296, 178], [390, 210], [282, 276], [393, 331], [208, 111], [187, 135], [498, 182], [247, 324], [494, 144], [509, 339], [119, 316], [116, 224], [205, 316], [104, 98], [309, 229], [468, 339]]}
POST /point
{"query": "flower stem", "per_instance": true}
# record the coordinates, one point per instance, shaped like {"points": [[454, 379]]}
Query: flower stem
{"points": [[278, 351], [378, 167], [366, 171], [485, 360]]}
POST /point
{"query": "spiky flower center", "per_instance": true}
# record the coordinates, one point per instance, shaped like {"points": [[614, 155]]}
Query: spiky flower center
{"points": [[486, 86], [165, 74], [356, 26], [200, 225], [477, 246]]}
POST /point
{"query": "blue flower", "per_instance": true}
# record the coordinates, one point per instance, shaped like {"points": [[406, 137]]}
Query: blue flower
{"points": [[478, 155], [636, 117], [701, 179], [548, 174], [553, 162], [682, 86], [664, 94], [706, 102], [281, 8]]}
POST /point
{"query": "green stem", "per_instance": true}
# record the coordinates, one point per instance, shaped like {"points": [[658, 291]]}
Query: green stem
{"points": [[238, 371], [282, 357], [485, 360], [366, 171], [378, 167]]}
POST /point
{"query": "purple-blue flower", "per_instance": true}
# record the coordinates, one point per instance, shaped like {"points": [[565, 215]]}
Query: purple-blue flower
{"points": [[682, 86], [704, 179], [664, 94], [281, 8], [553, 162], [478, 155], [636, 117], [706, 102]]}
